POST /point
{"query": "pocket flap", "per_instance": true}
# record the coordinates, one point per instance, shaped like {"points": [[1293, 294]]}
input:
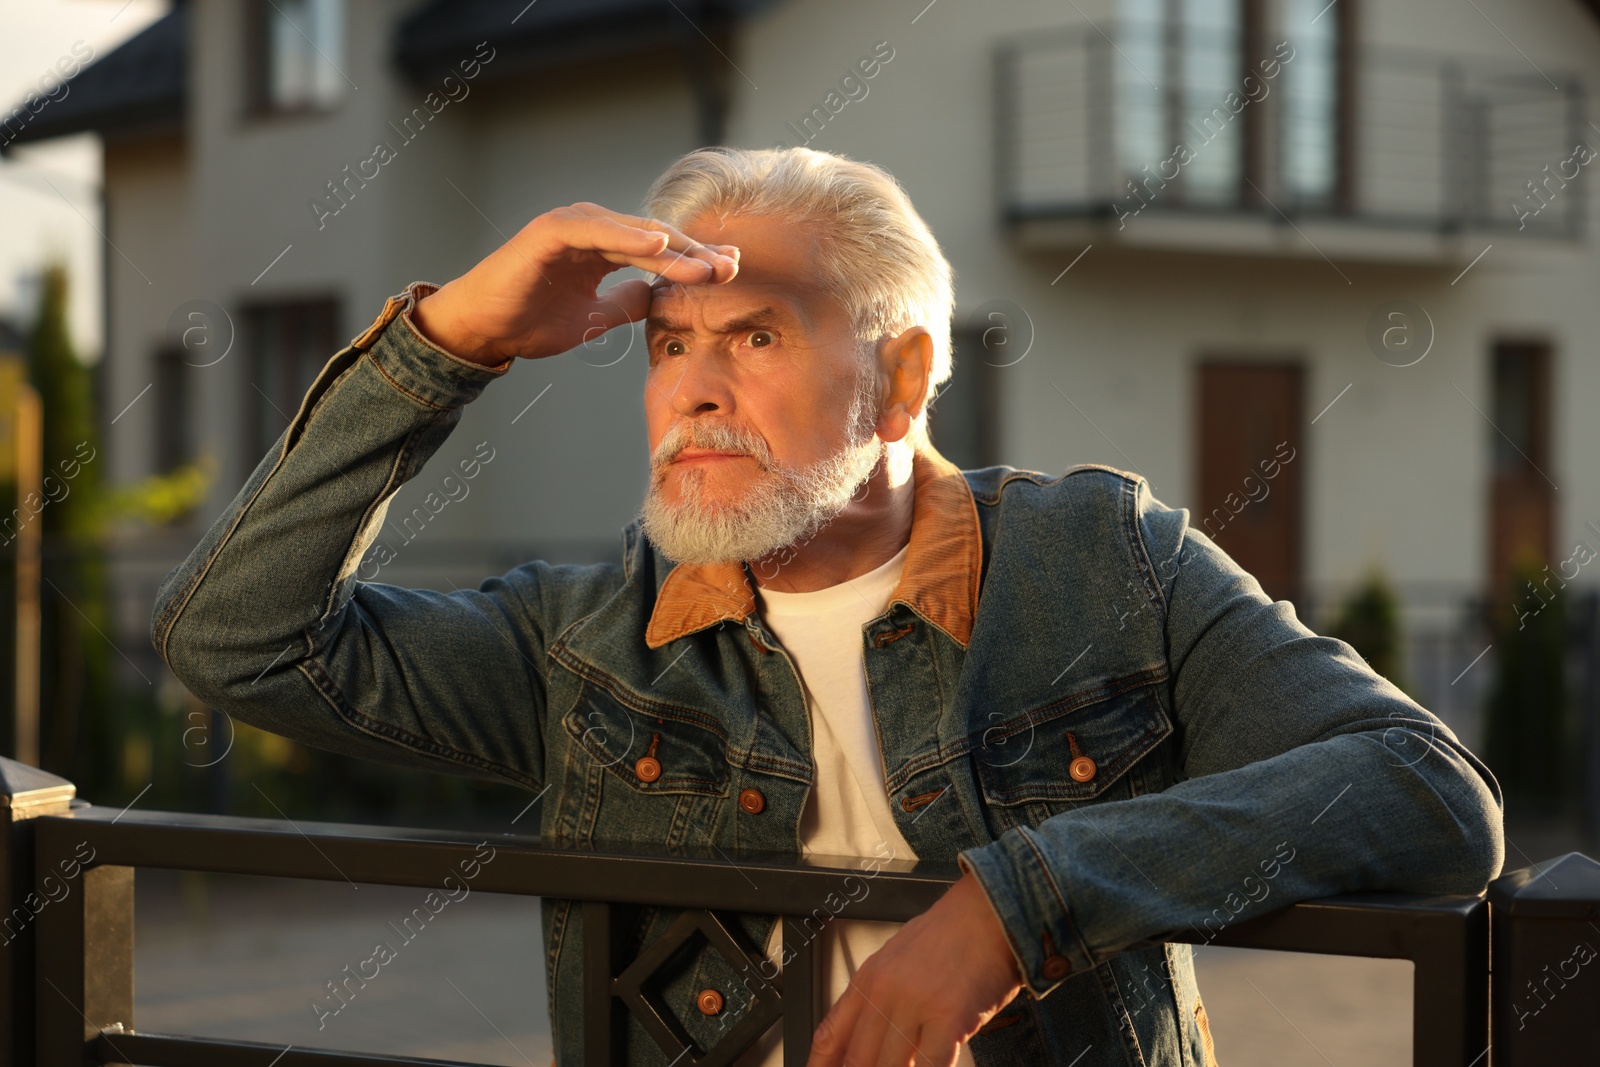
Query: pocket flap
{"points": [[689, 755], [1071, 749]]}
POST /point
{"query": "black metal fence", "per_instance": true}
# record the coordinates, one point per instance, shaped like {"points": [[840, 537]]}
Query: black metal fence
{"points": [[66, 938]]}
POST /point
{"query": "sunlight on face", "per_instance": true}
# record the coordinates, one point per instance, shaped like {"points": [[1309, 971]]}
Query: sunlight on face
{"points": [[760, 402]]}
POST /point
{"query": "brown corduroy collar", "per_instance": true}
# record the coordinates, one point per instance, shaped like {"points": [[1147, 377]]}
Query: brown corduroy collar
{"points": [[940, 580]]}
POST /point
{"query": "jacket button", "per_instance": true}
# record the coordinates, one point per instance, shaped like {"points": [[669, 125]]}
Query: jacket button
{"points": [[648, 768], [709, 1002], [752, 801], [1055, 967], [1082, 769]]}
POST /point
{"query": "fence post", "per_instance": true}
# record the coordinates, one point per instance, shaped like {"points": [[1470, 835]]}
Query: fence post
{"points": [[25, 792], [1546, 976], [1588, 652], [84, 970], [603, 1014]]}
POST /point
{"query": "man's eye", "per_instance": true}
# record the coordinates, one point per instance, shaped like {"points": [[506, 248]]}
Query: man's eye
{"points": [[760, 338], [673, 347]]}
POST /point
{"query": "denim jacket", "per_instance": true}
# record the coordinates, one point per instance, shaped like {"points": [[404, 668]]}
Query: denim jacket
{"points": [[1078, 696]]}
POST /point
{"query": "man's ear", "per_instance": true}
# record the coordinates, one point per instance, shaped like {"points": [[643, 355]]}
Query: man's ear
{"points": [[905, 362]]}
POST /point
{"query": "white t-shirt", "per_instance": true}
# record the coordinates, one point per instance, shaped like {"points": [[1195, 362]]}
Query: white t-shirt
{"points": [[847, 812]]}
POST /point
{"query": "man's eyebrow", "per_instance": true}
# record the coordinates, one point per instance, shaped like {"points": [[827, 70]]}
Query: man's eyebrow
{"points": [[745, 320]]}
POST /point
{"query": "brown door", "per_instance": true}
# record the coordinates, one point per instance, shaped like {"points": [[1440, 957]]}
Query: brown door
{"points": [[1521, 497], [1250, 468]]}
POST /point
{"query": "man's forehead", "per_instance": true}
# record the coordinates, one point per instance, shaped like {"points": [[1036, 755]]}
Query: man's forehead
{"points": [[801, 299], [777, 268]]}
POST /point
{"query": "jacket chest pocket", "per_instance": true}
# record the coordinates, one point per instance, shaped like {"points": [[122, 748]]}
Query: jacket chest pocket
{"points": [[1080, 749], [643, 771]]}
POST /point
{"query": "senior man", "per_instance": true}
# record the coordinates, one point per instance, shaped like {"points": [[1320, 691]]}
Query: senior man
{"points": [[824, 638]]}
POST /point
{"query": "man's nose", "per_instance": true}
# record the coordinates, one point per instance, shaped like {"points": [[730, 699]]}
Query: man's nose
{"points": [[704, 387]]}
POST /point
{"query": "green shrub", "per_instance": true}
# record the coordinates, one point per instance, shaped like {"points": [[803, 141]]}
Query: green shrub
{"points": [[1526, 739], [1369, 621]]}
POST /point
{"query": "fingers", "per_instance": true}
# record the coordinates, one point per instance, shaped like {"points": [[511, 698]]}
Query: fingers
{"points": [[857, 1033], [895, 1047], [688, 261], [833, 1034], [688, 269], [868, 1039], [938, 1046], [623, 303], [648, 244], [636, 240]]}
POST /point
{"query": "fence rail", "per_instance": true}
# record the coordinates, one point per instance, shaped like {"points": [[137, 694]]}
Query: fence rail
{"points": [[66, 967]]}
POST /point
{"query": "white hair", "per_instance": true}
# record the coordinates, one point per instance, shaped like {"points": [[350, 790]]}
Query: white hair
{"points": [[876, 255]]}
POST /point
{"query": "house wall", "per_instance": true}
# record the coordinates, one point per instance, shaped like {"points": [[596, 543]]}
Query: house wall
{"points": [[148, 193], [480, 169], [1395, 470]]}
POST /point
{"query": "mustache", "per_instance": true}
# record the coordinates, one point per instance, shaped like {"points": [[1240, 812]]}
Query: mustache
{"points": [[716, 436]]}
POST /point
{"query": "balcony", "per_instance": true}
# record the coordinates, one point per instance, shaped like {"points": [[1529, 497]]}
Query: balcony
{"points": [[1168, 138]]}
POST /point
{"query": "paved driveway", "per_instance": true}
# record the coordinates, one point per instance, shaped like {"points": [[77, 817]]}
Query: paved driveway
{"points": [[247, 958]]}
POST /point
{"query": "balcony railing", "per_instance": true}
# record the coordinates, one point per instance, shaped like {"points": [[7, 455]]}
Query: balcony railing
{"points": [[1394, 139], [66, 962]]}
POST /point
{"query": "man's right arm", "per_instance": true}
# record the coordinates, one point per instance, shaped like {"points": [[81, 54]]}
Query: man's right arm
{"points": [[265, 620]]}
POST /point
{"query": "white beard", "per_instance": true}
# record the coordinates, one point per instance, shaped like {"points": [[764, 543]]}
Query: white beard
{"points": [[786, 506]]}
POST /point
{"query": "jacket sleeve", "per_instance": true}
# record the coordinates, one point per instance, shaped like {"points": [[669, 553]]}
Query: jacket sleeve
{"points": [[1303, 774], [266, 621]]}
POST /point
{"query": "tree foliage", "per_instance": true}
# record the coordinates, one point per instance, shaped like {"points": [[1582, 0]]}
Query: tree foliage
{"points": [[1526, 735], [1369, 621]]}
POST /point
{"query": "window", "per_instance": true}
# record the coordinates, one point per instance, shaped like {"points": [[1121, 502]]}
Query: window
{"points": [[1312, 122], [1183, 58], [1521, 494], [1210, 62], [296, 49], [964, 418], [1141, 116], [288, 345], [1182, 69], [1521, 407], [174, 437]]}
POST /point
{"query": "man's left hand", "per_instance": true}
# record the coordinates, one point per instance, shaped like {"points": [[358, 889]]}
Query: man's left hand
{"points": [[915, 1000]]}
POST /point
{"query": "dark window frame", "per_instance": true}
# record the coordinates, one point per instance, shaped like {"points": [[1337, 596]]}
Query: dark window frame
{"points": [[302, 333], [1536, 359], [1342, 197], [258, 100], [1522, 511], [174, 438], [970, 402], [1256, 44]]}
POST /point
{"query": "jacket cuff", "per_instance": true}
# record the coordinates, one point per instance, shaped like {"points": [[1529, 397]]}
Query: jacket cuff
{"points": [[1029, 903], [415, 365]]}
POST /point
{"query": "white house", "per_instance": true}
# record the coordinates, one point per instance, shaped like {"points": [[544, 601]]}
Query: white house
{"points": [[1320, 270]]}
